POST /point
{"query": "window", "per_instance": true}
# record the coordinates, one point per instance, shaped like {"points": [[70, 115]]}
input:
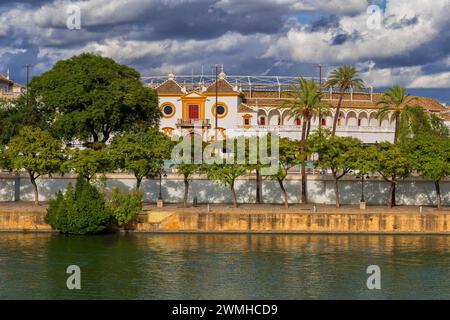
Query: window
{"points": [[324, 122], [222, 110], [262, 121], [359, 122], [168, 110], [246, 120], [298, 122]]}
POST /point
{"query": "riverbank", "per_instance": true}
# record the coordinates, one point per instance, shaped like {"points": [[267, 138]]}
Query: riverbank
{"points": [[251, 218]]}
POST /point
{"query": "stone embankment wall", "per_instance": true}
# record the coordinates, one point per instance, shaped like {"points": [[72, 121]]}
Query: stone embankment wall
{"points": [[26, 221], [437, 223]]}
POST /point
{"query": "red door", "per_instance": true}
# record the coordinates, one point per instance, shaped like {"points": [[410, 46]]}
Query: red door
{"points": [[193, 111]]}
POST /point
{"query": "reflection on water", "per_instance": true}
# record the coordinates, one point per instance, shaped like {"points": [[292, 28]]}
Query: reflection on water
{"points": [[190, 266]]}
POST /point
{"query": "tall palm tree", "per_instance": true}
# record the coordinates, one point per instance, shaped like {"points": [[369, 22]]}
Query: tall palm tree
{"points": [[305, 102], [344, 78], [407, 118]]}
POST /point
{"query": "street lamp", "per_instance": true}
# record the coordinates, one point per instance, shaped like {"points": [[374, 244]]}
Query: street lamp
{"points": [[162, 173], [363, 177]]}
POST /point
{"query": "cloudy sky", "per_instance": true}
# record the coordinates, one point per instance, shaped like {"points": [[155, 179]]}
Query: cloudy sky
{"points": [[406, 42]]}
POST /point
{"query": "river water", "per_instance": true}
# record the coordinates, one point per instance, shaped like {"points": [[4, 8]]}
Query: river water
{"points": [[224, 266]]}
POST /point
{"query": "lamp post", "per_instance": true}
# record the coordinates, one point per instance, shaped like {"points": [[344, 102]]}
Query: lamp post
{"points": [[216, 67], [362, 201], [162, 173]]}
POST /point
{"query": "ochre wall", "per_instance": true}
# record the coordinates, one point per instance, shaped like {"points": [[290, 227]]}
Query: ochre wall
{"points": [[29, 221], [304, 222], [271, 222]]}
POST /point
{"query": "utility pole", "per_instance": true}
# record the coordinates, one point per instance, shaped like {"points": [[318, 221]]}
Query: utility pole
{"points": [[320, 66], [216, 66], [27, 68]]}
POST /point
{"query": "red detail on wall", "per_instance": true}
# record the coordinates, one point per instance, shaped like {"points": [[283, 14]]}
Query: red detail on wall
{"points": [[193, 111]]}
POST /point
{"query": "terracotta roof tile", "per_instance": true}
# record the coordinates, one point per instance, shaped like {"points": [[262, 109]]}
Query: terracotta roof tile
{"points": [[4, 79], [243, 108], [223, 86], [169, 86]]}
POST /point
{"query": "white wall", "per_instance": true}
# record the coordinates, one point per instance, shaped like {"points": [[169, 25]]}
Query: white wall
{"points": [[320, 190]]}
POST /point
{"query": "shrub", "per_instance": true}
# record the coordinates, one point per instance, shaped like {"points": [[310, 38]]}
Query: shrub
{"points": [[82, 211], [125, 206]]}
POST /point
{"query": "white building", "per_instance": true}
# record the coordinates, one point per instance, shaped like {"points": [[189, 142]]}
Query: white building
{"points": [[8, 88], [249, 105]]}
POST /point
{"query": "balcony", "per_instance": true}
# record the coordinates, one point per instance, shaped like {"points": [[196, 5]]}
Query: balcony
{"points": [[193, 123]]}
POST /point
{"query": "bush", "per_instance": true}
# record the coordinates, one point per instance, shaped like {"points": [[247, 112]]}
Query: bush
{"points": [[81, 212], [125, 206]]}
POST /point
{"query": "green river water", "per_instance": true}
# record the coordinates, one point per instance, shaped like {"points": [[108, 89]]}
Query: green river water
{"points": [[224, 266]]}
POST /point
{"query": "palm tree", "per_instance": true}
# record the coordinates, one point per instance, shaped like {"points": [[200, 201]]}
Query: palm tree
{"points": [[305, 102], [345, 78], [408, 119]]}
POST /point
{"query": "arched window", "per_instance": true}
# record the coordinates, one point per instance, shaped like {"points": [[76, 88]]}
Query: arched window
{"points": [[298, 122]]}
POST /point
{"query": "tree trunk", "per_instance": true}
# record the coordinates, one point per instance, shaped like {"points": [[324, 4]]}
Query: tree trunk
{"points": [[303, 170], [336, 191], [336, 115], [35, 188], [258, 187], [233, 194], [397, 120], [105, 137], [94, 136], [391, 196], [308, 130], [138, 183], [438, 195], [283, 190], [186, 193]]}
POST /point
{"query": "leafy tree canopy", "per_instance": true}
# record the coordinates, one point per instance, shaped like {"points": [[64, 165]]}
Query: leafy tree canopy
{"points": [[88, 162], [18, 113], [36, 151], [141, 154], [92, 97], [390, 161], [430, 155], [336, 153]]}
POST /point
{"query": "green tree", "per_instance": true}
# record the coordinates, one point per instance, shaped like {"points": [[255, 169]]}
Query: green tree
{"points": [[87, 162], [339, 154], [83, 211], [408, 118], [391, 162], [289, 156], [125, 206], [37, 152], [430, 156], [305, 102], [227, 173], [187, 166], [16, 114], [141, 154], [344, 78], [92, 97]]}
